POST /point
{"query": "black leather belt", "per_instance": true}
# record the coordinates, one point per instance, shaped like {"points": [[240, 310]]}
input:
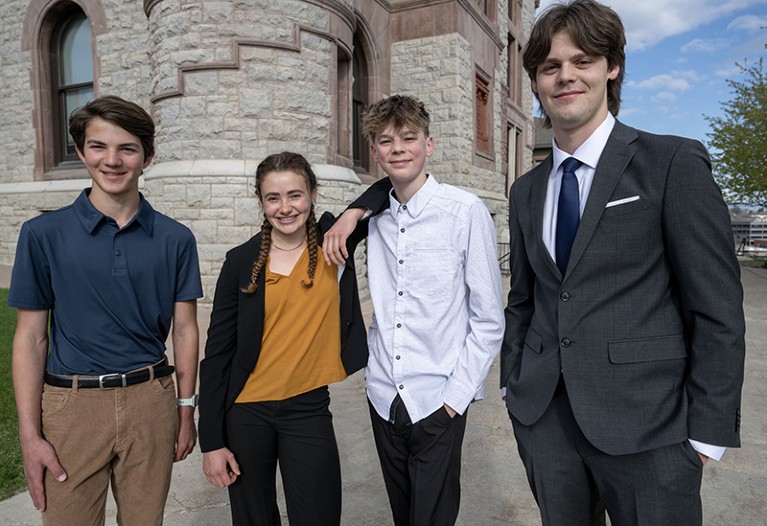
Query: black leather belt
{"points": [[111, 381]]}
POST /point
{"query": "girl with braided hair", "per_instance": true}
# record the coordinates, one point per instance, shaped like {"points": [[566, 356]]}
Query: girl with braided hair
{"points": [[282, 328]]}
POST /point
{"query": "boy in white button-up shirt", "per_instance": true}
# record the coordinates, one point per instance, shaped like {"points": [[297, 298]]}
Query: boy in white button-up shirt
{"points": [[438, 314]]}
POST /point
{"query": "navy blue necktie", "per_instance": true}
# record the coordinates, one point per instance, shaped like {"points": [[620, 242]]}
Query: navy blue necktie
{"points": [[568, 213]]}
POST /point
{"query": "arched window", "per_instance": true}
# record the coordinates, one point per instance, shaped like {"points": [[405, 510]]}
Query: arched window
{"points": [[71, 67], [61, 37], [360, 148]]}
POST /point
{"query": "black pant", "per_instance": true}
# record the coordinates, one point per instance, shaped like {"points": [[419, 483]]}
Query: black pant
{"points": [[299, 433], [421, 465], [573, 482]]}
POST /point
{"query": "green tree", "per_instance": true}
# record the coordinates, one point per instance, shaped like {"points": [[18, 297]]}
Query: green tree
{"points": [[738, 139]]}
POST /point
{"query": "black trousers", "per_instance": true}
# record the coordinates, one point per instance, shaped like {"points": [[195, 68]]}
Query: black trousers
{"points": [[573, 482], [297, 432], [421, 465]]}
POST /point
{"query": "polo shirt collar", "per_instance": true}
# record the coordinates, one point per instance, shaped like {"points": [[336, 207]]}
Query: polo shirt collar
{"points": [[145, 215], [418, 202], [90, 217]]}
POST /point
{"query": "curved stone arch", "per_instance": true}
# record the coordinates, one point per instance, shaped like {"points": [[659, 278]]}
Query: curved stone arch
{"points": [[365, 35], [38, 12]]}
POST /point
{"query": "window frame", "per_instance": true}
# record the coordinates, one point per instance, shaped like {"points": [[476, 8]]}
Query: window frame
{"points": [[483, 123], [360, 100], [62, 159], [41, 18]]}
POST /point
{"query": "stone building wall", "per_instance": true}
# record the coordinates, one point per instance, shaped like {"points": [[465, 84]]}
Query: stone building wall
{"points": [[229, 82], [240, 80], [17, 137], [439, 71]]}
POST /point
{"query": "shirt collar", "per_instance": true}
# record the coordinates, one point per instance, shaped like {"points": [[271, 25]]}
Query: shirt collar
{"points": [[418, 202], [145, 215], [591, 150], [90, 217]]}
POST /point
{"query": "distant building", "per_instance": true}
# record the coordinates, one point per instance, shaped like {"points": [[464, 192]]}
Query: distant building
{"points": [[750, 230], [229, 82], [542, 145]]}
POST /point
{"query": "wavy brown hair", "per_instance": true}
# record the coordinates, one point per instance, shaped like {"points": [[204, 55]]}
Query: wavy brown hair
{"points": [[284, 162], [399, 111], [127, 115], [593, 27]]}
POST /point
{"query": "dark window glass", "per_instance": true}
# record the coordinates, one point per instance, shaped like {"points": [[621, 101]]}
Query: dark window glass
{"points": [[71, 78], [360, 148]]}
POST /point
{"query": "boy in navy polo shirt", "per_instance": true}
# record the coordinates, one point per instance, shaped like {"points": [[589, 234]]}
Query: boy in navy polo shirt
{"points": [[109, 274]]}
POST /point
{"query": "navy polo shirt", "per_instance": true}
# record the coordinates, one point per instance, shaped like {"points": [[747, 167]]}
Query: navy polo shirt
{"points": [[110, 291]]}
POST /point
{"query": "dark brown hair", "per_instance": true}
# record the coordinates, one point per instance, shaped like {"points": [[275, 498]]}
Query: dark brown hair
{"points": [[284, 162], [398, 111], [593, 27], [127, 115]]}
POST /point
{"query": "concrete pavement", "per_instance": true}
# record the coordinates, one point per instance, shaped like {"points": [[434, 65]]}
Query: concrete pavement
{"points": [[495, 490]]}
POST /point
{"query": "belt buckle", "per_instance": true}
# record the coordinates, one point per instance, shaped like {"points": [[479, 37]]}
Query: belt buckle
{"points": [[103, 377]]}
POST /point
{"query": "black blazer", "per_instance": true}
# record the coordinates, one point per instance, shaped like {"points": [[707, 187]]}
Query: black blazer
{"points": [[236, 329]]}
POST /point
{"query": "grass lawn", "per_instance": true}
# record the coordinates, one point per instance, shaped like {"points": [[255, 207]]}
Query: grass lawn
{"points": [[11, 470]]}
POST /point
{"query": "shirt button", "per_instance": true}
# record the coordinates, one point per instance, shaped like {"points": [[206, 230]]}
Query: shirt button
{"points": [[397, 357], [401, 261], [118, 253], [566, 342], [404, 207], [399, 293], [399, 325], [564, 296], [402, 230], [401, 386]]}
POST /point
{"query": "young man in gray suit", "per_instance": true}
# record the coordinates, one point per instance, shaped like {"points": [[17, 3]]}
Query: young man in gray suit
{"points": [[622, 361]]}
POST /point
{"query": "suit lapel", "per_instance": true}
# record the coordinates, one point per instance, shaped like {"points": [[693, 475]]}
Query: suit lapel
{"points": [[612, 164], [537, 199]]}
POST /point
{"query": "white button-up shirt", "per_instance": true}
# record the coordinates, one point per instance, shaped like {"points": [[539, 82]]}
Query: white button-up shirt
{"points": [[435, 285]]}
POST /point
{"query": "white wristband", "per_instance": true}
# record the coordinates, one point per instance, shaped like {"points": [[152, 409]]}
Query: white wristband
{"points": [[187, 401]]}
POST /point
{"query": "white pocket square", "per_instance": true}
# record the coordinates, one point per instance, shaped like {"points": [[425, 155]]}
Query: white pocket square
{"points": [[622, 201]]}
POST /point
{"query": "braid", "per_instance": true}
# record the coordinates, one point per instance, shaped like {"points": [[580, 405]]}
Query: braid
{"points": [[263, 253], [311, 239]]}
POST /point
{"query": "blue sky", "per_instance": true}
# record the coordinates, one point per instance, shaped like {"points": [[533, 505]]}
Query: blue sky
{"points": [[680, 54]]}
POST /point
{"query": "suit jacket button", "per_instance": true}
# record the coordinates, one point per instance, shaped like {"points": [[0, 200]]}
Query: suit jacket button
{"points": [[565, 342], [564, 296]]}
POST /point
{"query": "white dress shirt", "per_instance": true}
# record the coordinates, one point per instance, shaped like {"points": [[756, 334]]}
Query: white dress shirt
{"points": [[589, 153], [435, 285]]}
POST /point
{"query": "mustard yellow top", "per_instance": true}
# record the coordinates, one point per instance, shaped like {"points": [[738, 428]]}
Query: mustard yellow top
{"points": [[301, 344]]}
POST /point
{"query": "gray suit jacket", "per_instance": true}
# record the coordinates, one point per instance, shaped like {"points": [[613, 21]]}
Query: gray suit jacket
{"points": [[647, 325]]}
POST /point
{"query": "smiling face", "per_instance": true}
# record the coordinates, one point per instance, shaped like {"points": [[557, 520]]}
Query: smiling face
{"points": [[287, 202], [402, 154], [572, 88], [114, 159]]}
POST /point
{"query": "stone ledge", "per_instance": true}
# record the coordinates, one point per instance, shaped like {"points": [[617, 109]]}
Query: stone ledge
{"points": [[238, 168], [172, 169], [32, 187]]}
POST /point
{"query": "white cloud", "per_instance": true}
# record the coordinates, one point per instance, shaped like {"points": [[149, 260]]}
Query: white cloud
{"points": [[664, 96], [727, 71], [699, 45], [678, 81], [650, 21], [749, 23]]}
